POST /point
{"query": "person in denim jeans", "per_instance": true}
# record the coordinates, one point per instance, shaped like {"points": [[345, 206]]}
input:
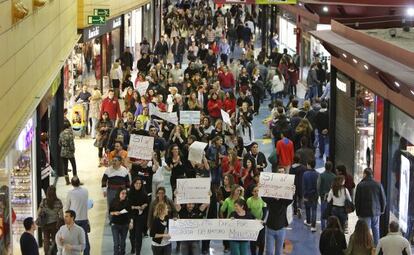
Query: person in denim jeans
{"points": [[370, 202], [339, 195], [310, 194], [276, 224], [120, 221], [325, 181], [215, 152]]}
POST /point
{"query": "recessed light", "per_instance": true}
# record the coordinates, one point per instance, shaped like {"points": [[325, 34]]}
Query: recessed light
{"points": [[412, 92], [355, 61], [343, 54], [410, 12], [397, 84], [300, 4], [325, 9], [366, 67]]}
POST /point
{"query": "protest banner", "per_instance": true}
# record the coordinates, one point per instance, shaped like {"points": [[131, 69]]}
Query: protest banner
{"points": [[226, 117], [196, 151], [193, 190], [214, 229], [276, 185], [142, 88], [141, 147], [168, 116], [189, 117]]}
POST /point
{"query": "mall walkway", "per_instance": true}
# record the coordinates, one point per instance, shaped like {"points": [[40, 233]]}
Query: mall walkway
{"points": [[299, 237]]}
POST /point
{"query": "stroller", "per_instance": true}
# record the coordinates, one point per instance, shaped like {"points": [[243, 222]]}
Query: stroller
{"points": [[79, 119]]}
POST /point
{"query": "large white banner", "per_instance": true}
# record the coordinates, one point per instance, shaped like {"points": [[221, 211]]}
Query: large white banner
{"points": [[168, 116], [276, 185], [226, 117], [214, 229], [189, 117], [193, 190], [196, 151], [141, 147]]}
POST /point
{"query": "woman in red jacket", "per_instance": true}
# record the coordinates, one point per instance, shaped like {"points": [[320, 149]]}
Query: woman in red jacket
{"points": [[231, 164], [230, 104], [214, 106]]}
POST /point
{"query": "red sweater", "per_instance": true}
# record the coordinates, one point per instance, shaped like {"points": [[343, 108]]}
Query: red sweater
{"points": [[112, 107], [225, 166], [214, 108], [230, 105], [285, 152], [226, 80]]}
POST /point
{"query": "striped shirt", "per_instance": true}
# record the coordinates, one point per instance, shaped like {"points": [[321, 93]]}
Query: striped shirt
{"points": [[115, 178]]}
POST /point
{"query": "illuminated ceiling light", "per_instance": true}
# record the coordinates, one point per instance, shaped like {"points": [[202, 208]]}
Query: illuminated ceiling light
{"points": [[397, 84], [410, 12], [300, 4], [325, 9], [344, 55], [355, 61], [366, 67], [412, 92]]}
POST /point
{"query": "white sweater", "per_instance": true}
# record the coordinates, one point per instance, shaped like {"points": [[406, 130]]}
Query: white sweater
{"points": [[277, 84], [393, 244]]}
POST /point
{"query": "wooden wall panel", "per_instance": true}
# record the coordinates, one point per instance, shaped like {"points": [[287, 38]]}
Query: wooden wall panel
{"points": [[32, 52]]}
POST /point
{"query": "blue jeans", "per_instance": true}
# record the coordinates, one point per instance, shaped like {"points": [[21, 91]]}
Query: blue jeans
{"points": [[275, 237], [341, 214], [190, 247], [239, 247], [322, 140], [373, 222], [324, 204], [85, 225], [311, 206], [216, 175], [119, 235]]}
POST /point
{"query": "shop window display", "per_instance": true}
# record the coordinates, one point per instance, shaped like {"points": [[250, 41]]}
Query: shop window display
{"points": [[400, 170], [5, 231], [365, 126]]}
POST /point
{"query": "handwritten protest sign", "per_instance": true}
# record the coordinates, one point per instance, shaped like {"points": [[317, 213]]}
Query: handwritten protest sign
{"points": [[142, 88], [193, 190], [168, 116], [226, 117], [189, 117], [276, 185], [141, 147], [196, 151], [214, 229]]}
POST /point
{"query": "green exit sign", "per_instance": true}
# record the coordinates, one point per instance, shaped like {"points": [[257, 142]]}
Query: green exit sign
{"points": [[101, 12], [96, 20]]}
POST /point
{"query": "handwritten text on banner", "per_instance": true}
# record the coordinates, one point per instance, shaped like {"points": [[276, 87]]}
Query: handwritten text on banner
{"points": [[276, 185], [193, 190], [214, 229], [141, 147]]}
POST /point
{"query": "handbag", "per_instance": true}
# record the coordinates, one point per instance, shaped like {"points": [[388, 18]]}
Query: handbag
{"points": [[273, 158], [349, 206], [328, 210], [41, 217]]}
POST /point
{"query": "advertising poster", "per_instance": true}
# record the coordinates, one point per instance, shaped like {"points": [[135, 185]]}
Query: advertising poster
{"points": [[404, 193]]}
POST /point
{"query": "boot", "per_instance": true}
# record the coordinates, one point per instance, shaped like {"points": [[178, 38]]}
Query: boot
{"points": [[67, 179]]}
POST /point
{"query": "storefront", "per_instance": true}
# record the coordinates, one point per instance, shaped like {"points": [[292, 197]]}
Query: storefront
{"points": [[287, 33], [18, 199], [357, 112], [93, 56], [137, 26], [401, 169]]}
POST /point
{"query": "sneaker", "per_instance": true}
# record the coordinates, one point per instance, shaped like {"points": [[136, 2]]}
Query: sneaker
{"points": [[313, 229], [307, 224], [226, 250]]}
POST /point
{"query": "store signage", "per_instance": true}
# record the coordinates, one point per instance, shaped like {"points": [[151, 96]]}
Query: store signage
{"points": [[101, 12], [98, 30], [116, 23], [26, 136], [96, 20], [341, 85]]}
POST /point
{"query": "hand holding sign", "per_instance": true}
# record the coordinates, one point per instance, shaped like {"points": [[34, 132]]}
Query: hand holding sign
{"points": [[141, 147], [276, 185]]}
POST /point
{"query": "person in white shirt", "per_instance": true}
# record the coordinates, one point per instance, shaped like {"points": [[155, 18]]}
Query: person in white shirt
{"points": [[277, 85], [70, 239], [116, 77], [338, 195], [77, 201], [393, 243]]}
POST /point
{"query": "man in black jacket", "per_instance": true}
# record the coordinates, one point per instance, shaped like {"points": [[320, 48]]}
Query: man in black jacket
{"points": [[322, 124], [276, 224], [370, 202]]}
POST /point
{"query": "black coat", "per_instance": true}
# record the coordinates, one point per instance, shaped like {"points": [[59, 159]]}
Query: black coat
{"points": [[332, 242], [369, 198]]}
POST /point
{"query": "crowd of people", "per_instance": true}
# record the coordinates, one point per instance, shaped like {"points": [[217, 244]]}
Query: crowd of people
{"points": [[222, 73]]}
